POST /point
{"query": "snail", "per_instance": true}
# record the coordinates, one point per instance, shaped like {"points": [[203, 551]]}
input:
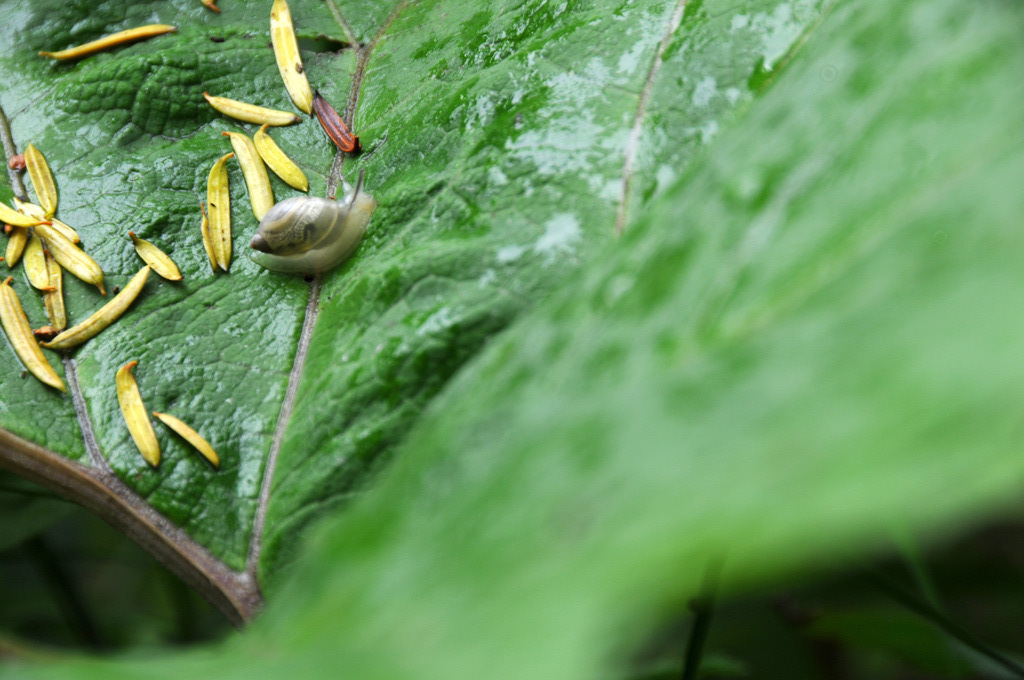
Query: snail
{"points": [[309, 235]]}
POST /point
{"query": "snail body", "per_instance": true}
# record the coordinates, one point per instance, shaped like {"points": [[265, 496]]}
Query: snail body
{"points": [[310, 235]]}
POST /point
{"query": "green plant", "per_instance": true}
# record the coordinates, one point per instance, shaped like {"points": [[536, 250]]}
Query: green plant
{"points": [[649, 288]]}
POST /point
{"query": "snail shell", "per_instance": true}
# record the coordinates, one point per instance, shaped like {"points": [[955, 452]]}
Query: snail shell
{"points": [[310, 235]]}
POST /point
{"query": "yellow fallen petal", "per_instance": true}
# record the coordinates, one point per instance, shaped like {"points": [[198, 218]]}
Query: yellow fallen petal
{"points": [[219, 200], [135, 416], [16, 242], [113, 40], [35, 264], [191, 436], [161, 263], [16, 219], [251, 113], [33, 210], [71, 257], [19, 332], [277, 161], [42, 179], [102, 317], [286, 52], [257, 181], [53, 300]]}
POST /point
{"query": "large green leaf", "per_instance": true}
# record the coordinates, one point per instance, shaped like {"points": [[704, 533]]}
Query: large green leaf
{"points": [[515, 141], [809, 340]]}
